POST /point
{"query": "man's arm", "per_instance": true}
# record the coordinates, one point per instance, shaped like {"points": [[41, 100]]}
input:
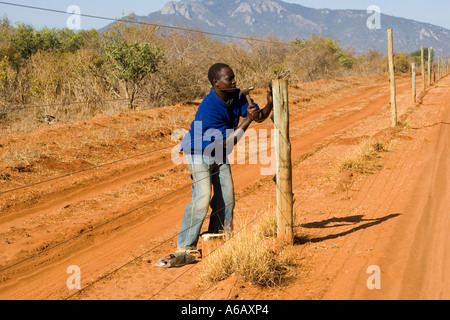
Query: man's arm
{"points": [[253, 114], [265, 113]]}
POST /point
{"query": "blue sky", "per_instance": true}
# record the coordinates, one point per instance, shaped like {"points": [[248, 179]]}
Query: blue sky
{"points": [[437, 12]]}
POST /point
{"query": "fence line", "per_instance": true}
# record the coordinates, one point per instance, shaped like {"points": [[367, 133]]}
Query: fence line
{"points": [[32, 106], [142, 206], [97, 167], [136, 209], [23, 107], [106, 222], [160, 244], [121, 216], [125, 214], [86, 170], [190, 268]]}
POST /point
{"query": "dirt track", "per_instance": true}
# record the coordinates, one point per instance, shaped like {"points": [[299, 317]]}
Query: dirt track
{"points": [[116, 221]]}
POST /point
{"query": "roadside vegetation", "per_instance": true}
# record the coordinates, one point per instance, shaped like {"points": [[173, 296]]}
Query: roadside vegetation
{"points": [[366, 157], [74, 76], [253, 255]]}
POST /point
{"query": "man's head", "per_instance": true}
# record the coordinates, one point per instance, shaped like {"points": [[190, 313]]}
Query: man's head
{"points": [[222, 79]]}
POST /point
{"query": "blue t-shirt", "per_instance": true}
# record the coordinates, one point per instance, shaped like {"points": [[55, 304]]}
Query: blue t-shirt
{"points": [[213, 122]]}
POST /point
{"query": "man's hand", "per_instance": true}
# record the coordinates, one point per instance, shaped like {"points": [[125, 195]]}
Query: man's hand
{"points": [[265, 113], [269, 97], [252, 113]]}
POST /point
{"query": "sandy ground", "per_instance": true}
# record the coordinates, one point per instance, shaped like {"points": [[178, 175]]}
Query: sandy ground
{"points": [[105, 196]]}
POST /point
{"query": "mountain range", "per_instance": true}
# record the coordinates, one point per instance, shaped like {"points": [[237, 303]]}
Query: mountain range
{"points": [[359, 30]]}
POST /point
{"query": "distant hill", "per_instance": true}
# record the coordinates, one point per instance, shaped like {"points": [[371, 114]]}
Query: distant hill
{"points": [[287, 20]]}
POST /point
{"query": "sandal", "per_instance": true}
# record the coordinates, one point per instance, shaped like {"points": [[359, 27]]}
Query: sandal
{"points": [[177, 259], [195, 253]]}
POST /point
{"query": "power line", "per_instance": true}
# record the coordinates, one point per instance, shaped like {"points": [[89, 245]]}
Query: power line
{"points": [[144, 23]]}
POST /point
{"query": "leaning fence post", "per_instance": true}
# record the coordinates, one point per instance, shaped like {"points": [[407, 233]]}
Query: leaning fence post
{"points": [[285, 214], [392, 79]]}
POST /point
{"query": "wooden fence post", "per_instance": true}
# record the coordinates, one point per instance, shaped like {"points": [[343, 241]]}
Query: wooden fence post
{"points": [[423, 67], [392, 79], [413, 71], [285, 214], [439, 68], [430, 53]]}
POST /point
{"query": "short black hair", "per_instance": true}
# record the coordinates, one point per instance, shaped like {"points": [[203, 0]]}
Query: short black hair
{"points": [[214, 71]]}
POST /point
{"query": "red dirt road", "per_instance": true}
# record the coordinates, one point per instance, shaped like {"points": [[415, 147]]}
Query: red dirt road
{"points": [[412, 253], [115, 222]]}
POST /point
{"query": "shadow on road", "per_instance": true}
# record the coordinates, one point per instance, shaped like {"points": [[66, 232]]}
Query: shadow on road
{"points": [[358, 221], [431, 125]]}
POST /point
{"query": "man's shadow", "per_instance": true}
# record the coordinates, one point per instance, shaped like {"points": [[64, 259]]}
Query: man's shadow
{"points": [[341, 222]]}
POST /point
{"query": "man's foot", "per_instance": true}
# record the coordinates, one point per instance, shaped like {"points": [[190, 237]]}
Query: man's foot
{"points": [[195, 253]]}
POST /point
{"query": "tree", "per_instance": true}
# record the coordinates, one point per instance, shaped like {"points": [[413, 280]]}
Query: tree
{"points": [[418, 54], [131, 62], [319, 57], [24, 43]]}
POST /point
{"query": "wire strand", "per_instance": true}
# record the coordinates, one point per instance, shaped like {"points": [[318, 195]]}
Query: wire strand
{"points": [[15, 108]]}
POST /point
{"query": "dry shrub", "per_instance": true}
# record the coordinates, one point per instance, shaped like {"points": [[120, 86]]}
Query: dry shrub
{"points": [[251, 256], [257, 62], [182, 76], [402, 62], [318, 58], [21, 158], [8, 83], [363, 159], [372, 62]]}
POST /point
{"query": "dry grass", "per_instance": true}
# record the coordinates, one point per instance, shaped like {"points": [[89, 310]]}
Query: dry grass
{"points": [[251, 256], [21, 158], [365, 158]]}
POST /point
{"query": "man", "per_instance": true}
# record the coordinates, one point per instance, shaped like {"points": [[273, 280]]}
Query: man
{"points": [[213, 134]]}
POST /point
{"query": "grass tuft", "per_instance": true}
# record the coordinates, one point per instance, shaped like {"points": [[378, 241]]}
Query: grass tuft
{"points": [[251, 256], [363, 159]]}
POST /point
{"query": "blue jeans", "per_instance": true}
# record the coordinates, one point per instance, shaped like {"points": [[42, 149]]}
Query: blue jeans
{"points": [[207, 179]]}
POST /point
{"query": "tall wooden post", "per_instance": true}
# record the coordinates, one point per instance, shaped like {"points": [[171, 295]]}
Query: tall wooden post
{"points": [[413, 71], [422, 62], [285, 214], [439, 68], [392, 79], [430, 53]]}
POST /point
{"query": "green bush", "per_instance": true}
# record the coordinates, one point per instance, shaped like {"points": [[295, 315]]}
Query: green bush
{"points": [[402, 62], [131, 62]]}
